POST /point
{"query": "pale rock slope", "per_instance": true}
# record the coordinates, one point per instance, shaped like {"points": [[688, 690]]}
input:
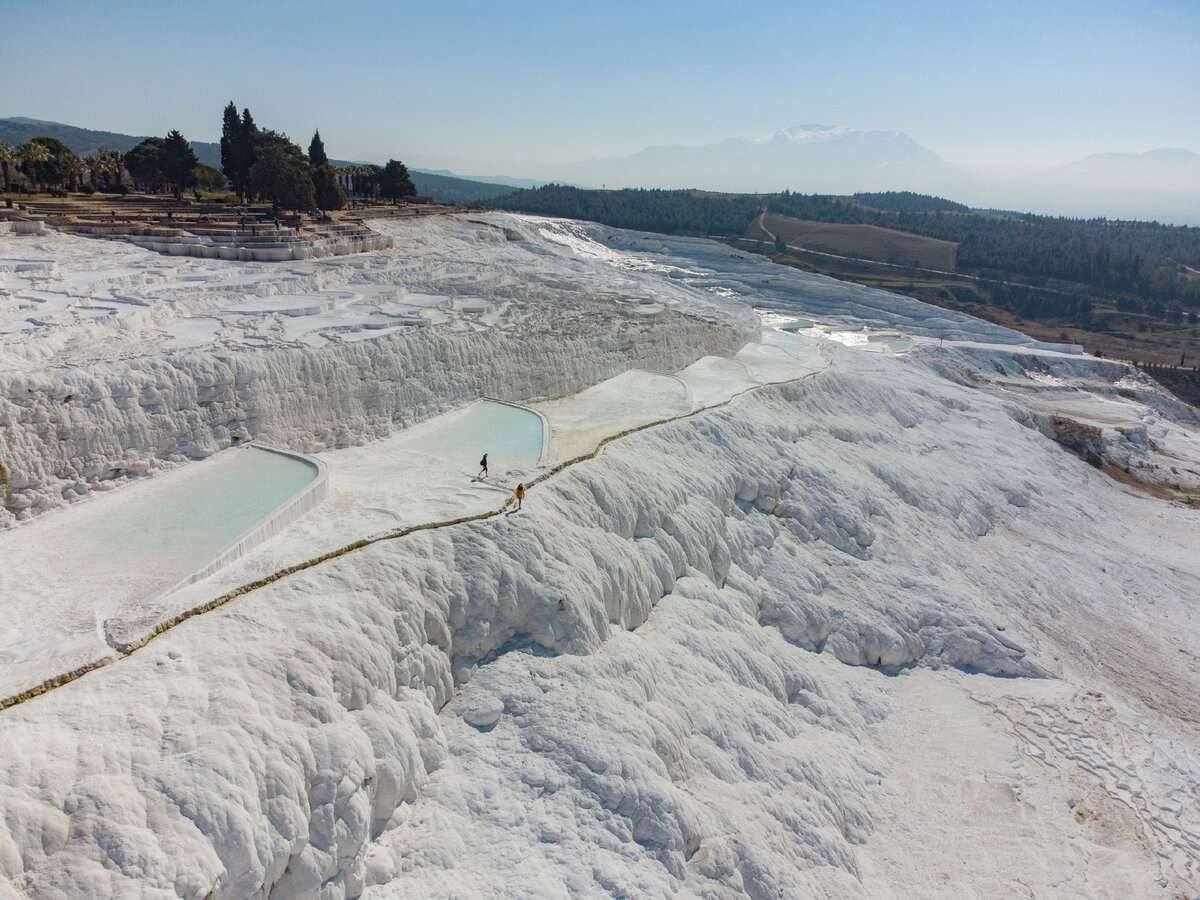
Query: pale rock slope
{"points": [[879, 630], [119, 365]]}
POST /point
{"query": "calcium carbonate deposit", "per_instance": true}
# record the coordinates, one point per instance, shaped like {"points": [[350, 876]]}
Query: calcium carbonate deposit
{"points": [[815, 591]]}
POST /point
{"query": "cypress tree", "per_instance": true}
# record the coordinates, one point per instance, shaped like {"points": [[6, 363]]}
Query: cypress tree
{"points": [[329, 194], [178, 162], [231, 127], [246, 148], [316, 152], [394, 182]]}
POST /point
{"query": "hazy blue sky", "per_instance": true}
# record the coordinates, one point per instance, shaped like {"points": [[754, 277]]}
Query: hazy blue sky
{"points": [[501, 87]]}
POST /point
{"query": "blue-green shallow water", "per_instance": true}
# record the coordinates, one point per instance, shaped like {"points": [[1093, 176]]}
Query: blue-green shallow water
{"points": [[183, 526], [511, 437]]}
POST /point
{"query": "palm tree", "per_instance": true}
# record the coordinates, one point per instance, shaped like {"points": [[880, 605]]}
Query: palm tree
{"points": [[112, 167], [34, 154], [95, 164], [75, 168], [118, 167], [8, 158]]}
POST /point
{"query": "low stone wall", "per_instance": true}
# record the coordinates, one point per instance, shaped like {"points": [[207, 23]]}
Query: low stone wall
{"points": [[22, 226], [245, 250]]}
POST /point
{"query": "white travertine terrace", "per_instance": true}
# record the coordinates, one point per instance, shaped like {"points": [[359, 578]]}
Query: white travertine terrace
{"points": [[840, 612]]}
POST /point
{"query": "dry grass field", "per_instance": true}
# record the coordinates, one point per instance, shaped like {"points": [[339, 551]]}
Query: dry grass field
{"points": [[859, 241]]}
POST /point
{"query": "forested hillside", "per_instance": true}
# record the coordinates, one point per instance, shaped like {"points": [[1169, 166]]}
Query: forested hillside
{"points": [[1145, 259], [670, 212], [448, 189], [1120, 288]]}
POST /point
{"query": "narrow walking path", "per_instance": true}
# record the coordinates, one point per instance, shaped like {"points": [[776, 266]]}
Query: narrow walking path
{"points": [[125, 637]]}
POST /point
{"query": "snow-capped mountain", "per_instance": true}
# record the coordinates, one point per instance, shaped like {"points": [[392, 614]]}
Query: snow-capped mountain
{"points": [[807, 134], [806, 158], [1162, 185]]}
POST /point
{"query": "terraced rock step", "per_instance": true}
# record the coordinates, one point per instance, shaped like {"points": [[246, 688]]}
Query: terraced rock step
{"points": [[234, 233]]}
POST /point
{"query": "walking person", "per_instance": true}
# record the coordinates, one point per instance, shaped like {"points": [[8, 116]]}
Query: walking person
{"points": [[520, 494], [483, 473]]}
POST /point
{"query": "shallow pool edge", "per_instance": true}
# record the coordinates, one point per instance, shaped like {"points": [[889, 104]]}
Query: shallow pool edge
{"points": [[307, 498], [545, 454]]}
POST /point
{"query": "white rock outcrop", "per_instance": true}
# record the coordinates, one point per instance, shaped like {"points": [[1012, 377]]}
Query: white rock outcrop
{"points": [[62, 427], [282, 745], [816, 642]]}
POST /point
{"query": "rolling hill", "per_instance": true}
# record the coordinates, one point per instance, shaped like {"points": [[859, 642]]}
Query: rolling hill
{"points": [[86, 141]]}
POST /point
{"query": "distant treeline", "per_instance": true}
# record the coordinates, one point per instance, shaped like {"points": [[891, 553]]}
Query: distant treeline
{"points": [[668, 212], [448, 189], [1139, 264], [907, 201]]}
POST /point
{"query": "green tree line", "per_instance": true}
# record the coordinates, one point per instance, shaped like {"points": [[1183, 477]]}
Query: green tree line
{"points": [[45, 164], [259, 164], [1142, 265], [266, 165], [669, 212]]}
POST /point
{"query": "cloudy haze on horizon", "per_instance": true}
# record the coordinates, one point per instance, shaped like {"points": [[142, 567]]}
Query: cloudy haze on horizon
{"points": [[492, 88]]}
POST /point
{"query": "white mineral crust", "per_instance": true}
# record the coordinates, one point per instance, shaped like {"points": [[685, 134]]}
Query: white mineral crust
{"points": [[868, 632]]}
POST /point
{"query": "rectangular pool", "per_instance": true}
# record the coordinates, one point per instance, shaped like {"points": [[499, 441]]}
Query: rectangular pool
{"points": [[195, 514], [510, 435]]}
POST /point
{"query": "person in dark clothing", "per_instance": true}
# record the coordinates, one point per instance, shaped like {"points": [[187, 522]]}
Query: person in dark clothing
{"points": [[483, 473]]}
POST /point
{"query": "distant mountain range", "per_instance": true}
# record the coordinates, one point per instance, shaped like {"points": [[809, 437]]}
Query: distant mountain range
{"points": [[810, 158], [85, 141], [1160, 184], [485, 179], [446, 187], [1157, 184]]}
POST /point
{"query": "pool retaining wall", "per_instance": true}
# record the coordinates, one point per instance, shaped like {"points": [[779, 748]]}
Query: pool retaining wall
{"points": [[308, 498], [544, 456], [23, 226]]}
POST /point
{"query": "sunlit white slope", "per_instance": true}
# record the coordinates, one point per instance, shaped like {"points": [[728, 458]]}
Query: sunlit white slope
{"points": [[913, 524], [691, 664], [116, 362], [873, 633]]}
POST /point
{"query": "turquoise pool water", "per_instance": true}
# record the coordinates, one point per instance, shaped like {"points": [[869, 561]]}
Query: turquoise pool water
{"points": [[797, 325], [784, 337], [511, 436], [182, 522]]}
